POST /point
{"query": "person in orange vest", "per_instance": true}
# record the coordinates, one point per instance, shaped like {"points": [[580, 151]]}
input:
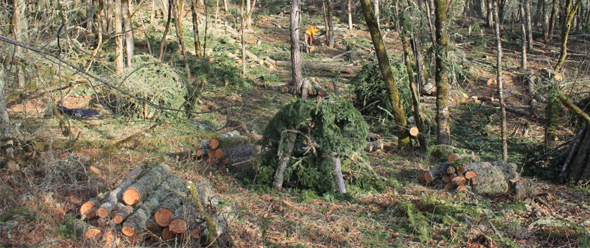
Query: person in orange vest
{"points": [[309, 33]]}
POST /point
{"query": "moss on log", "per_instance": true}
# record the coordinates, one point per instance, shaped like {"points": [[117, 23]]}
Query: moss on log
{"points": [[88, 231], [167, 209], [123, 211], [142, 187], [492, 177]]}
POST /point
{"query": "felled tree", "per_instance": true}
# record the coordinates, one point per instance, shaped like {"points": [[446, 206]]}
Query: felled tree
{"points": [[307, 140]]}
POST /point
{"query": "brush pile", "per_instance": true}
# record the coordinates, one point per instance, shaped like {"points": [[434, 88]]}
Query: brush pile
{"points": [[228, 148], [152, 205]]}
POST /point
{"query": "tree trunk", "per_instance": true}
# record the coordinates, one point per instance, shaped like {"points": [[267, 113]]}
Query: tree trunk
{"points": [[490, 13], [119, 56], [349, 13], [500, 87], [286, 148], [570, 12], [249, 12], [338, 178], [129, 43], [109, 16], [330, 30], [19, 25], [376, 9], [5, 128], [243, 41], [142, 187], [112, 198], [523, 37], [180, 34], [90, 16], [441, 75], [552, 110], [296, 75], [163, 42], [552, 20], [529, 28], [385, 67], [195, 14]]}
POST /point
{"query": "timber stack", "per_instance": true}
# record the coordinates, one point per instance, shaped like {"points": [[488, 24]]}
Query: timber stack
{"points": [[151, 205], [227, 149], [463, 172]]}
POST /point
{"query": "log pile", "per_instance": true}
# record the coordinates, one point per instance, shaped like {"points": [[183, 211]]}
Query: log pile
{"points": [[227, 149], [150, 205], [495, 177]]}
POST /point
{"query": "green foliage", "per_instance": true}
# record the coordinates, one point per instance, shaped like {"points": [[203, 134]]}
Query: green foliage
{"points": [[151, 80], [371, 91], [332, 125]]}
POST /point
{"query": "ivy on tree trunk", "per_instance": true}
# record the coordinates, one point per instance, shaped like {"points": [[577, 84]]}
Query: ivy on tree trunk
{"points": [[392, 91]]}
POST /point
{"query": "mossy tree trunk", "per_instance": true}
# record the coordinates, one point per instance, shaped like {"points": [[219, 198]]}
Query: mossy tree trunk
{"points": [[5, 129], [571, 8], [392, 91], [500, 87], [296, 73], [195, 14], [330, 29], [441, 74]]}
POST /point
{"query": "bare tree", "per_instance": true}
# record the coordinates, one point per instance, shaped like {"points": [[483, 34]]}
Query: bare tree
{"points": [[349, 13], [385, 67], [529, 26], [195, 14], [500, 87], [296, 74], [571, 7], [129, 43], [163, 43], [19, 25], [523, 30], [119, 57], [179, 6], [5, 128], [441, 74]]}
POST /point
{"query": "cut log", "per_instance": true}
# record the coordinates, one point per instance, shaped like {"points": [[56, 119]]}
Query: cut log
{"points": [[462, 188], [178, 225], [453, 158], [450, 186], [91, 205], [169, 206], [213, 144], [111, 239], [488, 81], [201, 153], [421, 179], [451, 170], [218, 154], [141, 188], [89, 231], [414, 131], [137, 221], [459, 180], [123, 211], [445, 152], [211, 153], [167, 234], [435, 173], [461, 170], [113, 196], [447, 178], [470, 175]]}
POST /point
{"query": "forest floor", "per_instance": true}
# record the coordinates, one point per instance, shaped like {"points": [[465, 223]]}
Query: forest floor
{"points": [[44, 195]]}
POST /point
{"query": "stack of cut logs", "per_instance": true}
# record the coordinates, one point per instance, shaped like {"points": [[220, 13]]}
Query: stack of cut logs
{"points": [[461, 174], [452, 175], [229, 148], [149, 205]]}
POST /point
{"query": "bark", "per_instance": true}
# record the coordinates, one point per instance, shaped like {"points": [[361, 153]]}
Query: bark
{"points": [[523, 30], [119, 56], [330, 31], [123, 211], [88, 231], [90, 16], [338, 178], [296, 75], [5, 127], [549, 35], [324, 67], [492, 177], [113, 196], [579, 164], [163, 42], [490, 15], [529, 27], [285, 149], [243, 36], [109, 15], [180, 34], [211, 223], [441, 75], [500, 87], [385, 67], [436, 173], [552, 110], [142, 187], [129, 43], [349, 13], [573, 151], [571, 8], [249, 12], [376, 10], [196, 36], [19, 25]]}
